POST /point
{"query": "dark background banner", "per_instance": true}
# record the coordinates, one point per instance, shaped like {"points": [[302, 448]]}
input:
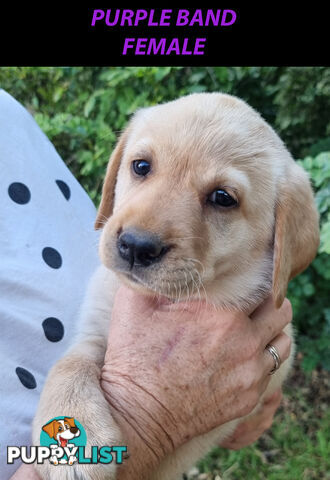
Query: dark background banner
{"points": [[266, 34]]}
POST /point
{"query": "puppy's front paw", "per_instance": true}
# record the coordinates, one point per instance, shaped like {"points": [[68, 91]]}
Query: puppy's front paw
{"points": [[64, 413]]}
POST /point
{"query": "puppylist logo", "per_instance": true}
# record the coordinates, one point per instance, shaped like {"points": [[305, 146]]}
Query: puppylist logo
{"points": [[63, 442]]}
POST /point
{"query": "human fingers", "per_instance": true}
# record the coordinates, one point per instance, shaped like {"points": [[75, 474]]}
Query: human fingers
{"points": [[269, 321], [274, 400], [251, 429], [282, 345]]}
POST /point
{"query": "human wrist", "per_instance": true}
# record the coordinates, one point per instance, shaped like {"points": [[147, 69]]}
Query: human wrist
{"points": [[144, 423]]}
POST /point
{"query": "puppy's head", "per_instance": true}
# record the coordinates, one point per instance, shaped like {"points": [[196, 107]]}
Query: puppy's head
{"points": [[201, 198]]}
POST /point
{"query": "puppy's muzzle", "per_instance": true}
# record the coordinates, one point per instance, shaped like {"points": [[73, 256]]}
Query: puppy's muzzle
{"points": [[140, 248]]}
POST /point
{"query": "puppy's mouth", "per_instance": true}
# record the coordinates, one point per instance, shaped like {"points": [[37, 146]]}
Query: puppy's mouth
{"points": [[136, 280], [156, 269], [168, 290], [63, 441]]}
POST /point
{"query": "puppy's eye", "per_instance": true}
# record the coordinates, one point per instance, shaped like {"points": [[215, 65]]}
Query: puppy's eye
{"points": [[141, 167], [222, 198], [67, 426], [60, 429]]}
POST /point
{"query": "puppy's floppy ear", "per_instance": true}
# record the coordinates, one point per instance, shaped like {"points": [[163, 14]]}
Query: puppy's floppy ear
{"points": [[296, 230], [109, 184], [70, 421], [49, 428]]}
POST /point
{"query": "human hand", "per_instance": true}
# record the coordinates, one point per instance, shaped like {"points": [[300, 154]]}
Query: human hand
{"points": [[251, 429], [176, 371]]}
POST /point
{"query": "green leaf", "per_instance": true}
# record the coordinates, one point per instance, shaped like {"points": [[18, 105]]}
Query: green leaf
{"points": [[89, 105]]}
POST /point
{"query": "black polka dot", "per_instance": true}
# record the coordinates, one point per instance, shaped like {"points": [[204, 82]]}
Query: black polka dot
{"points": [[26, 378], [52, 257], [64, 188], [19, 193], [53, 328]]}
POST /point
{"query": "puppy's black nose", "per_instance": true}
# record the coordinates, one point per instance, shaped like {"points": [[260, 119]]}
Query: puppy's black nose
{"points": [[140, 248], [74, 429]]}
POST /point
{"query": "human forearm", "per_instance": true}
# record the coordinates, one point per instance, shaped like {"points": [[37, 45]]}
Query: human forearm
{"points": [[145, 425]]}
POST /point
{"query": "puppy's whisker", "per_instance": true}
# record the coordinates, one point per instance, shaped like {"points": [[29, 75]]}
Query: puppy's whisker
{"points": [[179, 297], [198, 291], [204, 290], [192, 278], [194, 260], [198, 276], [155, 295], [176, 292], [187, 285], [200, 298], [168, 289], [178, 284], [172, 304]]}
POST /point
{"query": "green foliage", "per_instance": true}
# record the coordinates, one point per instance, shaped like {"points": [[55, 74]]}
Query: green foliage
{"points": [[310, 291], [289, 453], [296, 446], [303, 101], [83, 109]]}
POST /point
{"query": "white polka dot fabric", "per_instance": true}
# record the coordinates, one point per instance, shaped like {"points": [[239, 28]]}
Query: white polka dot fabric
{"points": [[48, 251]]}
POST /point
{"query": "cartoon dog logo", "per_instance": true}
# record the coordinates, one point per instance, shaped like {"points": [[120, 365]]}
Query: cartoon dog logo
{"points": [[62, 431]]}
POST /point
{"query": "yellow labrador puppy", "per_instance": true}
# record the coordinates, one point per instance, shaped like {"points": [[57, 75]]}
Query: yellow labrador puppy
{"points": [[201, 198]]}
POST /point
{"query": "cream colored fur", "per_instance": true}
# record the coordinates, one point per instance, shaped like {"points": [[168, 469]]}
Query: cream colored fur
{"points": [[232, 258]]}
